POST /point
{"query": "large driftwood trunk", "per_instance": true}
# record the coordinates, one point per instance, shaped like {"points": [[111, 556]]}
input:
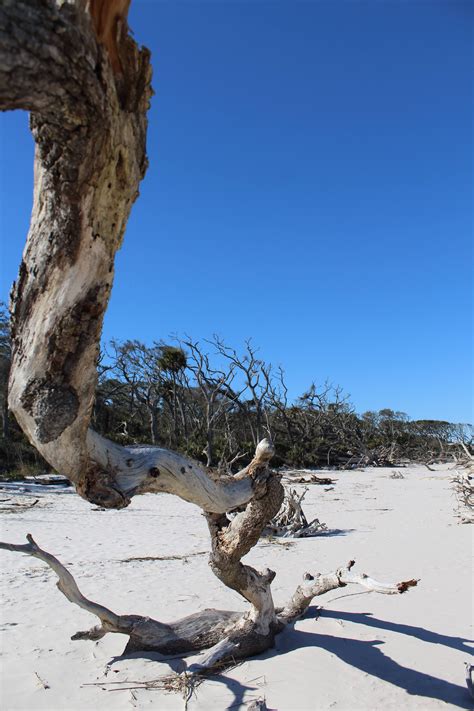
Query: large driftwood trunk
{"points": [[74, 66], [87, 85]]}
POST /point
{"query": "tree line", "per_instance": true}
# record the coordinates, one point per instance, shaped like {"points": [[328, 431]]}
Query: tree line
{"points": [[215, 403]]}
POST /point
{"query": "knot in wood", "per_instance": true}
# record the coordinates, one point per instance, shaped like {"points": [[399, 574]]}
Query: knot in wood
{"points": [[98, 487]]}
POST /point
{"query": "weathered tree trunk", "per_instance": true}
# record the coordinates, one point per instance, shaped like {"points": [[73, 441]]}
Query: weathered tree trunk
{"points": [[153, 413], [87, 85], [208, 449], [4, 415], [89, 105]]}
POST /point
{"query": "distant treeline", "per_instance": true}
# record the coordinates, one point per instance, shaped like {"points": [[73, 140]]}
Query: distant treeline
{"points": [[215, 404]]}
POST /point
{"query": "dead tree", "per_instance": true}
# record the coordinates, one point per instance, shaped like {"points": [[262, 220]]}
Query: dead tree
{"points": [[87, 86], [213, 385], [291, 522], [255, 376], [464, 481], [137, 366]]}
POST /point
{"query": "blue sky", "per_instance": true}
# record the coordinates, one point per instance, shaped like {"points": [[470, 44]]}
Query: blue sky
{"points": [[310, 186]]}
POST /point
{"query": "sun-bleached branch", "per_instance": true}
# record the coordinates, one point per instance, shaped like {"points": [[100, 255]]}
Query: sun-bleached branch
{"points": [[315, 585]]}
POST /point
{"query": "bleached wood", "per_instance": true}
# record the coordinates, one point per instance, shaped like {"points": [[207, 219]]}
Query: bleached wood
{"points": [[315, 585], [291, 522], [223, 650], [152, 469], [89, 122], [66, 583], [81, 206], [190, 634], [227, 636]]}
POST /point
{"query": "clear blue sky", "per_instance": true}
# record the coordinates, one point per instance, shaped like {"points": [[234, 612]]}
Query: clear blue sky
{"points": [[310, 185]]}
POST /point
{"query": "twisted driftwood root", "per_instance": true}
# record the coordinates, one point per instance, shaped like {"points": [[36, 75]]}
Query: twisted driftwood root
{"points": [[226, 636]]}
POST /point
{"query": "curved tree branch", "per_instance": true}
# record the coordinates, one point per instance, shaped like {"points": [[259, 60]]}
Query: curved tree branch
{"points": [[318, 584], [138, 470], [66, 583]]}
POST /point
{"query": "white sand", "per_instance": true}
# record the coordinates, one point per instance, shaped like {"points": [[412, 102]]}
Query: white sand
{"points": [[365, 651]]}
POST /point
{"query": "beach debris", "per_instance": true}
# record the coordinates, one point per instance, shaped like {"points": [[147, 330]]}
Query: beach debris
{"points": [[49, 480], [396, 475], [219, 635], [258, 705], [306, 476], [147, 558], [10, 506], [464, 490], [291, 522], [469, 681], [41, 682]]}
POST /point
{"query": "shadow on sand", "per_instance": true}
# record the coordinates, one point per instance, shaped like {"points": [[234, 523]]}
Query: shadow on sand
{"points": [[365, 655], [367, 618]]}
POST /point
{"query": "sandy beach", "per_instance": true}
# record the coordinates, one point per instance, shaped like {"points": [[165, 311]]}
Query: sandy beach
{"points": [[353, 650]]}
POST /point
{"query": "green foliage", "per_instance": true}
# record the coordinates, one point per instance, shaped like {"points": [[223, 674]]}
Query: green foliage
{"points": [[18, 458], [171, 359]]}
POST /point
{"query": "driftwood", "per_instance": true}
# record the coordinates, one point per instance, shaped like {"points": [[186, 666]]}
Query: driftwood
{"points": [[291, 522], [48, 480], [382, 456], [469, 682], [306, 476], [463, 481], [16, 506], [87, 85], [396, 475], [464, 490], [227, 636]]}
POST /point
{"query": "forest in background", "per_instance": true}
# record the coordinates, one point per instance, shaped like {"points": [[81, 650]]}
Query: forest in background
{"points": [[214, 403]]}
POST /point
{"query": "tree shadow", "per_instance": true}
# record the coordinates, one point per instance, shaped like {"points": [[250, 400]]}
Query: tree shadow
{"points": [[237, 689], [336, 532], [367, 656], [367, 618]]}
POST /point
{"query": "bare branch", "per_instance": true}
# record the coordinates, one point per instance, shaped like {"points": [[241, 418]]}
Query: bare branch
{"points": [[66, 583], [314, 586]]}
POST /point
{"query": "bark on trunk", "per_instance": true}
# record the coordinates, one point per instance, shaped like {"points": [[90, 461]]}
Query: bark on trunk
{"points": [[5, 423], [89, 123]]}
